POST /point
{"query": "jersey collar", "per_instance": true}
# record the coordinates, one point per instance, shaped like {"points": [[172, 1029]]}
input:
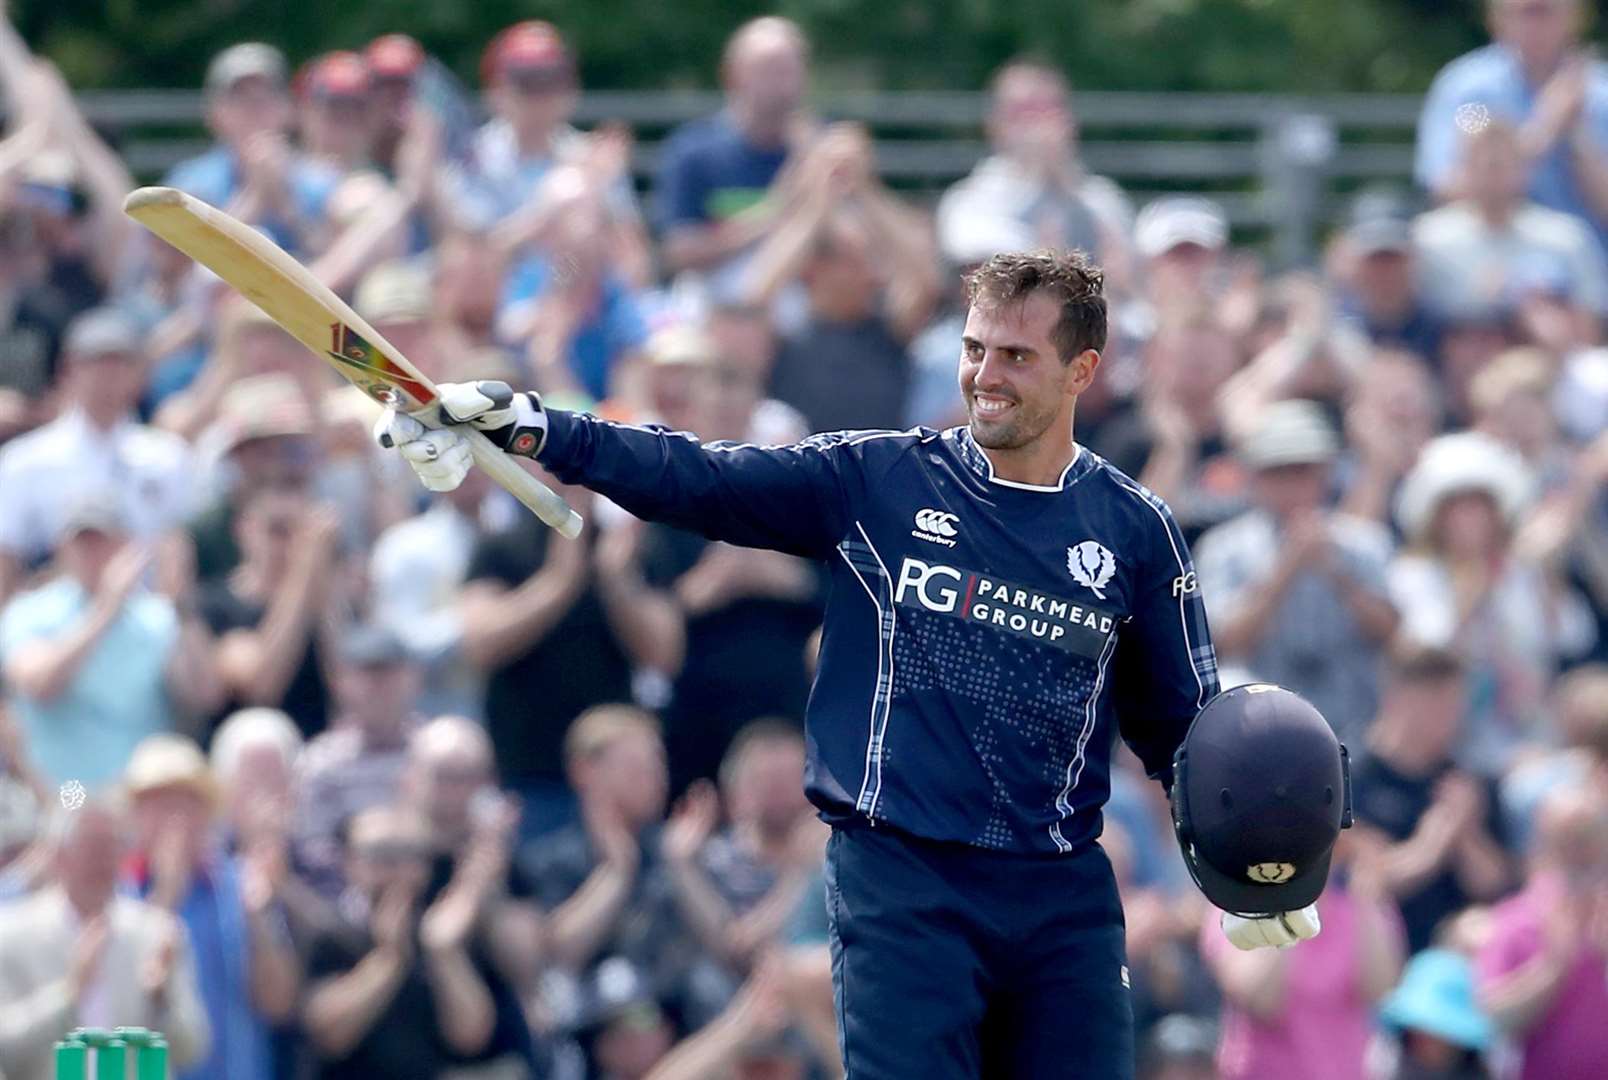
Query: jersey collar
{"points": [[979, 463]]}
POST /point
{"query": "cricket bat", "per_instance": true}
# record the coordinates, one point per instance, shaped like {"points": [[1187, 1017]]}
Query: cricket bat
{"points": [[288, 292]]}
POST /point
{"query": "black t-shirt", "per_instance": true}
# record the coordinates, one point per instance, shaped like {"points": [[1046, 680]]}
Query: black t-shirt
{"points": [[1393, 803], [844, 376], [31, 342], [306, 699], [405, 1041], [578, 663], [743, 662]]}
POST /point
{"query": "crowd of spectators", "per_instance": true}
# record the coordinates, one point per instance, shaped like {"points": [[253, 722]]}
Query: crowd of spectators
{"points": [[381, 784]]}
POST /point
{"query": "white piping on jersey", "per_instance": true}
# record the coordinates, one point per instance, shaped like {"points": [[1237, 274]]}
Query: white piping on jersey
{"points": [[1151, 501], [882, 694], [727, 446], [988, 464], [1074, 768]]}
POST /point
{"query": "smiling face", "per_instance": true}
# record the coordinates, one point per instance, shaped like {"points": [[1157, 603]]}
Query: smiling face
{"points": [[1015, 384]]}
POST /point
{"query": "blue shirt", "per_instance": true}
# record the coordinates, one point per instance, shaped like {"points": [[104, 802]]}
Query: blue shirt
{"points": [[984, 640], [709, 172], [214, 177], [1491, 76], [615, 327], [117, 697]]}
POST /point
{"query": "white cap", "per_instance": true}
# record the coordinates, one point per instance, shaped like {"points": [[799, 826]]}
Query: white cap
{"points": [[1290, 433], [1179, 219], [1465, 461]]}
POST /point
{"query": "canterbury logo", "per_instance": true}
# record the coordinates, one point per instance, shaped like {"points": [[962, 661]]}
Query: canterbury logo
{"points": [[936, 521]]}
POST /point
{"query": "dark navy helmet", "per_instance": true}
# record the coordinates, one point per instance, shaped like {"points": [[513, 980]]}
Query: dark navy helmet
{"points": [[1261, 790]]}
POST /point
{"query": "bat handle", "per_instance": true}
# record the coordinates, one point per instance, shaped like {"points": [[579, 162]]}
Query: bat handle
{"points": [[541, 499]]}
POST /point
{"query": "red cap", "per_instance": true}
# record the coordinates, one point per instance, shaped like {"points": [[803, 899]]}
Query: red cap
{"points": [[394, 56], [531, 45], [334, 74]]}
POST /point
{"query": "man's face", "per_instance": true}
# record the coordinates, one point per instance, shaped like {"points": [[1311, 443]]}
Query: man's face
{"points": [[267, 527], [631, 772], [770, 786], [1013, 381], [251, 106], [1494, 168], [174, 809], [447, 777], [1384, 278], [1436, 708], [341, 124], [376, 697], [769, 74], [387, 849], [1538, 30], [1285, 490], [85, 553], [1030, 110], [534, 101], [108, 381], [90, 859]]}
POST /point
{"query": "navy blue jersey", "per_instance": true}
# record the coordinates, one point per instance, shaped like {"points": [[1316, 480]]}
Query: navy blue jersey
{"points": [[982, 638]]}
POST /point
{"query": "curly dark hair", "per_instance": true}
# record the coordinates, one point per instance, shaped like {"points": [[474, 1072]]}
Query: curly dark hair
{"points": [[1067, 276]]}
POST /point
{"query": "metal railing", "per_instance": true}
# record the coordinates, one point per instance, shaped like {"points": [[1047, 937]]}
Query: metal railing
{"points": [[1277, 162]]}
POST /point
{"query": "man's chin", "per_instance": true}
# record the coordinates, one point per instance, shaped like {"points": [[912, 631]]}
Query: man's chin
{"points": [[993, 435]]}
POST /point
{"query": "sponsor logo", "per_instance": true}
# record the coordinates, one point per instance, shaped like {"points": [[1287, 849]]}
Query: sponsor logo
{"points": [[1270, 873], [1186, 584], [1014, 609], [935, 527], [1091, 565]]}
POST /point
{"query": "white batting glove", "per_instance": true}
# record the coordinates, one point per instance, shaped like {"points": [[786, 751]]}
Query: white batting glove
{"points": [[515, 422], [1272, 931], [440, 458]]}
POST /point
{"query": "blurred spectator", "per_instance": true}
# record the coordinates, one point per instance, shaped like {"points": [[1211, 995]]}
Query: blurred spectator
{"points": [[35, 318], [1471, 250], [734, 400], [738, 889], [95, 659], [1537, 75], [1380, 281], [93, 446], [721, 184], [358, 763], [1462, 584], [397, 993], [1541, 973], [604, 881], [1441, 825], [337, 113], [1438, 1030], [1389, 417], [746, 1041], [252, 171], [1179, 1048], [1307, 1010], [1511, 399], [448, 780], [622, 1031], [1580, 711], [556, 628], [1179, 245], [415, 572], [78, 954], [270, 612], [869, 275], [247, 972], [1295, 591], [24, 802], [1034, 179], [394, 62]]}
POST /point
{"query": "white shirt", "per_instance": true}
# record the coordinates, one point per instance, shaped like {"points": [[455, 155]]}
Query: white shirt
{"points": [[1466, 265], [45, 473]]}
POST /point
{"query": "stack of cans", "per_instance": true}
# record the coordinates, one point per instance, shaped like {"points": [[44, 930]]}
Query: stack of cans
{"points": [[108, 1050]]}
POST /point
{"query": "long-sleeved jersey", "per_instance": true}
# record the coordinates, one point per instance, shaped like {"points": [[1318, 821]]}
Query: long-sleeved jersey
{"points": [[982, 637]]}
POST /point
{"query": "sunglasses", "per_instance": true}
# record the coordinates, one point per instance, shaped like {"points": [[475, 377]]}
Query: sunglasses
{"points": [[539, 80]]}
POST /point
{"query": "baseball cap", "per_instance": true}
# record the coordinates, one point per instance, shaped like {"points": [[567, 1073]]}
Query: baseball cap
{"points": [[1179, 219], [1436, 995], [249, 59], [680, 345], [167, 760], [617, 992], [371, 645], [394, 56], [395, 291], [334, 75], [102, 331], [1261, 790], [968, 239], [1379, 222], [531, 46], [94, 511], [1290, 433], [262, 407]]}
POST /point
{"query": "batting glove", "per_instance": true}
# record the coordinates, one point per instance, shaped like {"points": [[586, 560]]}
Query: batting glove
{"points": [[1272, 931], [440, 458], [515, 422]]}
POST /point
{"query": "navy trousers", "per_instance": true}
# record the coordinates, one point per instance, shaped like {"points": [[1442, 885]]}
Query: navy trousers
{"points": [[955, 963]]}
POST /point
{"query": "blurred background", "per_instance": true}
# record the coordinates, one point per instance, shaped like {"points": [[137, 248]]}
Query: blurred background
{"points": [[324, 777]]}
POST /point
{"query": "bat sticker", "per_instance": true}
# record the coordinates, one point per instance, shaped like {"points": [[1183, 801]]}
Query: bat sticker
{"points": [[350, 349]]}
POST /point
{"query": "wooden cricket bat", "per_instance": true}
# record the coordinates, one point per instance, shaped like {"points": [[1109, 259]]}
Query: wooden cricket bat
{"points": [[307, 308]]}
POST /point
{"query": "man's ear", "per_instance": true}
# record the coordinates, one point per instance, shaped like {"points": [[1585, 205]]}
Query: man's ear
{"points": [[1081, 369]]}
